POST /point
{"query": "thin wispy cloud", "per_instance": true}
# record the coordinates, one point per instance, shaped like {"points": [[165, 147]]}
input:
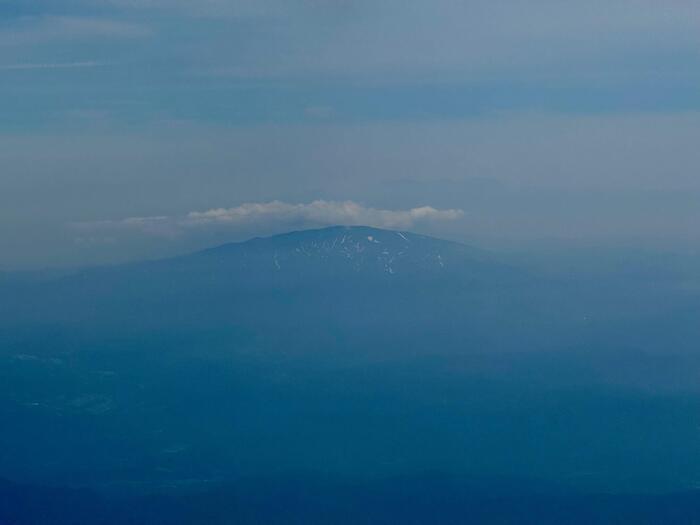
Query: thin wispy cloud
{"points": [[205, 8], [49, 65], [458, 41], [39, 30]]}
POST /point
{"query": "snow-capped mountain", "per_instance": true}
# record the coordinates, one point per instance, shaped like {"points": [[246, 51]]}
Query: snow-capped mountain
{"points": [[341, 249], [349, 272]]}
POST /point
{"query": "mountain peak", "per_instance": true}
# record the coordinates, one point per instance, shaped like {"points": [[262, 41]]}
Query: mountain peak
{"points": [[342, 234], [341, 248]]}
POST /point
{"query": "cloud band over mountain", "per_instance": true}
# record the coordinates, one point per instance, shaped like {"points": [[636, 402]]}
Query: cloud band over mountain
{"points": [[272, 214]]}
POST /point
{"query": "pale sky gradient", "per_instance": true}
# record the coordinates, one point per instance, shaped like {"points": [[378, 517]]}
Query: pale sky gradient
{"points": [[539, 119]]}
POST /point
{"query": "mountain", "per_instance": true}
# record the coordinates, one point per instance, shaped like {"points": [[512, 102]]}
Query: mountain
{"points": [[355, 272], [352, 353], [334, 256], [342, 250]]}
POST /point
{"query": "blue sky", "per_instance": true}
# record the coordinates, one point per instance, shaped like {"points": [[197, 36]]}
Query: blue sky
{"points": [[114, 109]]}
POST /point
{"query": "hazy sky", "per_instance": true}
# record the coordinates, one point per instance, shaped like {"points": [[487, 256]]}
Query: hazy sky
{"points": [[124, 123]]}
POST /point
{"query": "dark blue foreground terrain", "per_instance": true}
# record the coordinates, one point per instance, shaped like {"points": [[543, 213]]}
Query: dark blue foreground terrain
{"points": [[303, 501]]}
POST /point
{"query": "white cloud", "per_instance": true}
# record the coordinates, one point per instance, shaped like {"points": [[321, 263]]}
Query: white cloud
{"points": [[274, 214], [322, 212]]}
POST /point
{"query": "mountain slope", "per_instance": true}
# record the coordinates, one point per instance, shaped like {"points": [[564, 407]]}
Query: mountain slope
{"points": [[341, 248]]}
